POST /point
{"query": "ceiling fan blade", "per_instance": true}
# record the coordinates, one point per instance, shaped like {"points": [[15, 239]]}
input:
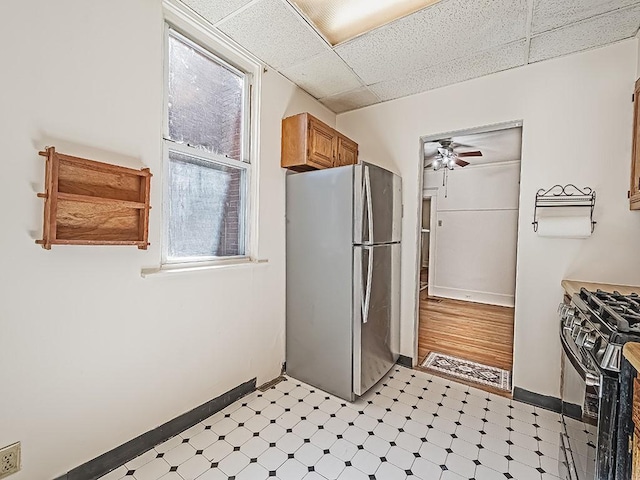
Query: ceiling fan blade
{"points": [[428, 165], [461, 163], [477, 153], [460, 145]]}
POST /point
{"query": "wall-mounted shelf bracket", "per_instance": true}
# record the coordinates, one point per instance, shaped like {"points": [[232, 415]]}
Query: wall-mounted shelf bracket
{"points": [[567, 196]]}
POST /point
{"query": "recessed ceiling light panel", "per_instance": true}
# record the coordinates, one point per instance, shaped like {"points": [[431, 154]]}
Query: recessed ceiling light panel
{"points": [[341, 20]]}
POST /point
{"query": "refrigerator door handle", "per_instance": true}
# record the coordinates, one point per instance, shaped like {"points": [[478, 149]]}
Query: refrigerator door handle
{"points": [[367, 298], [367, 187]]}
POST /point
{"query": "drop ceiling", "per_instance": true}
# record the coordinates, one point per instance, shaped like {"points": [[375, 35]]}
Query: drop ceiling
{"points": [[445, 43]]}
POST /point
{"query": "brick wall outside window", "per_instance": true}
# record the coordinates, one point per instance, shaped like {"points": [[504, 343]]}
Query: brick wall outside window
{"points": [[205, 112]]}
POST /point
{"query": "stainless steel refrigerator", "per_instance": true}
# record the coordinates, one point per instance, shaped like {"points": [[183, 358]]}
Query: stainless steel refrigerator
{"points": [[343, 277]]}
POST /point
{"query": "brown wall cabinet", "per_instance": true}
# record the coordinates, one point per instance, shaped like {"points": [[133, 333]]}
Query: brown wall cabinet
{"points": [[309, 144], [634, 192], [635, 448], [94, 203]]}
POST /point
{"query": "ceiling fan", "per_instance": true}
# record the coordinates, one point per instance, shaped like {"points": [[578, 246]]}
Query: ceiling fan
{"points": [[448, 157]]}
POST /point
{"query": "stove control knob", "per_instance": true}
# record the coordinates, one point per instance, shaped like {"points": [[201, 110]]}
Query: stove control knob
{"points": [[576, 333], [590, 338], [563, 308], [580, 336], [575, 322], [586, 337], [572, 319]]}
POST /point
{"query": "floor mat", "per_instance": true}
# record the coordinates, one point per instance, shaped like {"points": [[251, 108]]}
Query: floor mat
{"points": [[467, 370]]}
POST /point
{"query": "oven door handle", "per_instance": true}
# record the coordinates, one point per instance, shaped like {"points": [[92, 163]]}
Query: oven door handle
{"points": [[591, 378]]}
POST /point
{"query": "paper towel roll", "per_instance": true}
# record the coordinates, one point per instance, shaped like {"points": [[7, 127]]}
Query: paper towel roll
{"points": [[564, 227]]}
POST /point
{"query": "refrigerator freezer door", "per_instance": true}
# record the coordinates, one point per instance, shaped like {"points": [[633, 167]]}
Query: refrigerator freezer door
{"points": [[377, 205], [376, 306], [319, 342]]}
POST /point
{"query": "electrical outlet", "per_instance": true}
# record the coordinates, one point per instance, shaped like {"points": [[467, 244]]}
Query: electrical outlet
{"points": [[9, 460]]}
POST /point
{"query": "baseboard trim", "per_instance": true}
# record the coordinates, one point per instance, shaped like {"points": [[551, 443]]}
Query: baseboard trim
{"points": [[488, 298], [405, 361], [572, 410], [111, 460], [537, 400]]}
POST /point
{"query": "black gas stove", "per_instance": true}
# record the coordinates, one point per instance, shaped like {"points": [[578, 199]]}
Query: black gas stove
{"points": [[600, 323], [593, 329]]}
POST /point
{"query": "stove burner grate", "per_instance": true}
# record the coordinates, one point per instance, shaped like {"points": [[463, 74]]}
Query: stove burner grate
{"points": [[620, 312]]}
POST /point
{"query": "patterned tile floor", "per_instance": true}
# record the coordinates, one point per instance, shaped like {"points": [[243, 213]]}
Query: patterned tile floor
{"points": [[410, 426]]}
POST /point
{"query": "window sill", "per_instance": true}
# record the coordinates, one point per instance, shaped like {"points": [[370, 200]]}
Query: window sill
{"points": [[201, 266]]}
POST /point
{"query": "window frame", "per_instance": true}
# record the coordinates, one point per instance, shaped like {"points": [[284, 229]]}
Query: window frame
{"points": [[211, 47]]}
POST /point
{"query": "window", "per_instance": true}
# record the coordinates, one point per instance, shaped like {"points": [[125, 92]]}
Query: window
{"points": [[206, 140]]}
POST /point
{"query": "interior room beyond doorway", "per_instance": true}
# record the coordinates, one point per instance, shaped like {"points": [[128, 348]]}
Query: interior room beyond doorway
{"points": [[468, 240]]}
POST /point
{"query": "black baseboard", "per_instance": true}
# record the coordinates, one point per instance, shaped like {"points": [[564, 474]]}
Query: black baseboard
{"points": [[543, 401], [405, 361], [111, 460], [572, 410]]}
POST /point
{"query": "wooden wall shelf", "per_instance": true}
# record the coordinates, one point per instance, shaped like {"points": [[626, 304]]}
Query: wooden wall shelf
{"points": [[94, 203]]}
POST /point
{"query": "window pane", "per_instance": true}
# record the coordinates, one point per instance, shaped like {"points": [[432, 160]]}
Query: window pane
{"points": [[206, 216], [205, 101]]}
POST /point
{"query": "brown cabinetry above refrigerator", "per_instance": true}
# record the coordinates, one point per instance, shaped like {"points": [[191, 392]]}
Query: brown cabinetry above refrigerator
{"points": [[309, 144]]}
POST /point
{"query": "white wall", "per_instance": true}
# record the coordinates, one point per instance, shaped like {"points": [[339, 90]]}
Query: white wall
{"points": [[577, 129], [91, 353], [638, 64], [475, 235]]}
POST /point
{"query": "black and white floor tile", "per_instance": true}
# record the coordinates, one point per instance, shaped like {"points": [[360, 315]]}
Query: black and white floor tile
{"points": [[410, 426]]}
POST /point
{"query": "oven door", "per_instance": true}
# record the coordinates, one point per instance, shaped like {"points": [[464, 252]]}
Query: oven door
{"points": [[580, 392]]}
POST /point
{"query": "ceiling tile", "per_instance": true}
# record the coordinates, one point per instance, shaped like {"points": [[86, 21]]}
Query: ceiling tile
{"points": [[445, 31], [343, 102], [550, 14], [591, 33], [447, 73], [215, 10], [323, 75], [274, 33]]}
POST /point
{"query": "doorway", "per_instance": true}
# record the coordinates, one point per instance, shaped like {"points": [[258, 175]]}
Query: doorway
{"points": [[467, 251]]}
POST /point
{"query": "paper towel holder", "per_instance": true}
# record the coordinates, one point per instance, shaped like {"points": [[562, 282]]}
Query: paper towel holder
{"points": [[564, 196]]}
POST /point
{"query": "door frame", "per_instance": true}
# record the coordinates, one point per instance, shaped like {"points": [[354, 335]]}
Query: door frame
{"points": [[431, 194], [421, 192]]}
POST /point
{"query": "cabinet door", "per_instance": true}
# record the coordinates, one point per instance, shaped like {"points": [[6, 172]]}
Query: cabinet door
{"points": [[634, 192], [635, 416], [347, 151], [635, 459], [322, 144]]}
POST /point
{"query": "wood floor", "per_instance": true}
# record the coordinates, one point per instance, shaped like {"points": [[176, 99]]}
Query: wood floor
{"points": [[473, 331]]}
